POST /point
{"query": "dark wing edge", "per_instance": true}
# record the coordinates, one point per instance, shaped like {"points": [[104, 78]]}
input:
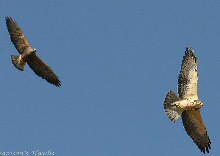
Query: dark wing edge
{"points": [[196, 129], [43, 70], [16, 35], [188, 86]]}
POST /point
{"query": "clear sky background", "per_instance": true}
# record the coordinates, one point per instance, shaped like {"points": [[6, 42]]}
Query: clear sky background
{"points": [[117, 60]]}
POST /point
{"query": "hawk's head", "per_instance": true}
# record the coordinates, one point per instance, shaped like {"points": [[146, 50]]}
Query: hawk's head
{"points": [[34, 50], [198, 104]]}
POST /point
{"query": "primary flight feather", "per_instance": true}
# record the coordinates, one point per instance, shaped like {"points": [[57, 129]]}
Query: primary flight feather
{"points": [[28, 54], [187, 104]]}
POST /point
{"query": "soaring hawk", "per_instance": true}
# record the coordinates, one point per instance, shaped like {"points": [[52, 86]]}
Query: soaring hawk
{"points": [[28, 54], [188, 104]]}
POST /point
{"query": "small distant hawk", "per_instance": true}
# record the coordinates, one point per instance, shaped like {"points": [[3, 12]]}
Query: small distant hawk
{"points": [[28, 54], [188, 104]]}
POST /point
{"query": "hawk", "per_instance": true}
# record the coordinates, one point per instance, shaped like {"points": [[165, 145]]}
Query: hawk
{"points": [[187, 104], [28, 54]]}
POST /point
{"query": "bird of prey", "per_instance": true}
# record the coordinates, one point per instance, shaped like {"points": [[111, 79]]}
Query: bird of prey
{"points": [[188, 104], [28, 54]]}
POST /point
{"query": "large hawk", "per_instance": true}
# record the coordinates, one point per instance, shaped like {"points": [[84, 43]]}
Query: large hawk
{"points": [[188, 104], [28, 54]]}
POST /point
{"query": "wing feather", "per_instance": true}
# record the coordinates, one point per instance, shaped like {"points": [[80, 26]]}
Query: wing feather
{"points": [[188, 77], [196, 129], [17, 37], [43, 70]]}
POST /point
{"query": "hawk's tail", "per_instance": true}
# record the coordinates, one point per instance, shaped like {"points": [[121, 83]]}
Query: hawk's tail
{"points": [[170, 108], [18, 62]]}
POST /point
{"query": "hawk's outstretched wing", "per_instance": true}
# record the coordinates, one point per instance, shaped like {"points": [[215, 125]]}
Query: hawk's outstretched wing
{"points": [[43, 70], [196, 129], [17, 37], [188, 77]]}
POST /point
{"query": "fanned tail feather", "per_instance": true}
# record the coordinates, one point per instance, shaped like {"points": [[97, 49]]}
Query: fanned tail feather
{"points": [[18, 62], [171, 110]]}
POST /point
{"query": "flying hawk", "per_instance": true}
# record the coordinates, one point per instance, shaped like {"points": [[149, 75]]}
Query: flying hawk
{"points": [[28, 54], [188, 104]]}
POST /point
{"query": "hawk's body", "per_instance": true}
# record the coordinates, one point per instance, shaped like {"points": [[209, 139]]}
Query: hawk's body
{"points": [[28, 54], [188, 104]]}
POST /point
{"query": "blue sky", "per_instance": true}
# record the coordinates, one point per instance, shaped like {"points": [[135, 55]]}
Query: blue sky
{"points": [[117, 60]]}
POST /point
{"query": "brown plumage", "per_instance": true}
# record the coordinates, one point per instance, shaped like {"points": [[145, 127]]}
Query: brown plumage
{"points": [[28, 54], [187, 104], [196, 129]]}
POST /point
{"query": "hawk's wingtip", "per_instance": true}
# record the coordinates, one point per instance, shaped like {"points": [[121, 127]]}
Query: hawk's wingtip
{"points": [[58, 85], [8, 18], [189, 49], [190, 52]]}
